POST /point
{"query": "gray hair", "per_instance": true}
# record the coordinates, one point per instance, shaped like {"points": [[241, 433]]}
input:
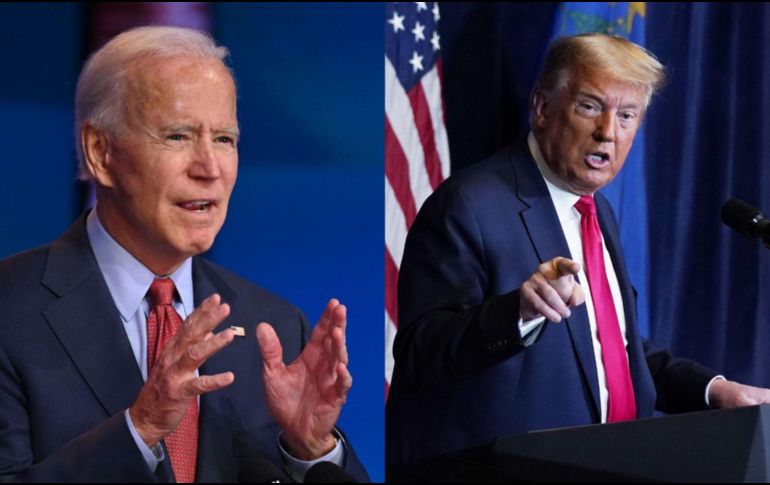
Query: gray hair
{"points": [[100, 97]]}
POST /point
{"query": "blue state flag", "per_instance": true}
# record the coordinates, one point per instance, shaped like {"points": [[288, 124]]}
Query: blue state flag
{"points": [[627, 193]]}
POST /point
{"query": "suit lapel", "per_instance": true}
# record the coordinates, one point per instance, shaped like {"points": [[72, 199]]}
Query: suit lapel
{"points": [[87, 323], [544, 229]]}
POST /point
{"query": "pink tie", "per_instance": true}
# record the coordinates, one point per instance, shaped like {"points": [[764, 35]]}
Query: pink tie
{"points": [[162, 323], [622, 404]]}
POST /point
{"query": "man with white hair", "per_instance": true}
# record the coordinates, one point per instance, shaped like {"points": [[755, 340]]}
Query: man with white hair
{"points": [[125, 356]]}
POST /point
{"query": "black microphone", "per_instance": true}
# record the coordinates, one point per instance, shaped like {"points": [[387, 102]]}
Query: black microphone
{"points": [[261, 470], [326, 472], [746, 219]]}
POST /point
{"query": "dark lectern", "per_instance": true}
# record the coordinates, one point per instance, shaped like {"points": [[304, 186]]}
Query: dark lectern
{"points": [[713, 446]]}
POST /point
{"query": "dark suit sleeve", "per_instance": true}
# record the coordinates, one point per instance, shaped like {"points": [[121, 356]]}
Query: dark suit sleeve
{"points": [[448, 328], [106, 453], [680, 383]]}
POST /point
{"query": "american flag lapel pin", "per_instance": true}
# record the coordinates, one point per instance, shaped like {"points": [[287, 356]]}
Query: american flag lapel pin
{"points": [[239, 331]]}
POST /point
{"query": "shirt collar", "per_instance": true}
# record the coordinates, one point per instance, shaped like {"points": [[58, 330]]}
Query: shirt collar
{"points": [[128, 279], [563, 201]]}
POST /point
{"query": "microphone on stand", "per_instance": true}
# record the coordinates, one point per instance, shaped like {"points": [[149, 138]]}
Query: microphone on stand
{"points": [[747, 220]]}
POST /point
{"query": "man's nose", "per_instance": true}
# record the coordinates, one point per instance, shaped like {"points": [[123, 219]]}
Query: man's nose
{"points": [[605, 127], [205, 163]]}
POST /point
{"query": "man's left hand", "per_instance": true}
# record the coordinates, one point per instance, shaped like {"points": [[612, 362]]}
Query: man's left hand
{"points": [[306, 397], [729, 394]]}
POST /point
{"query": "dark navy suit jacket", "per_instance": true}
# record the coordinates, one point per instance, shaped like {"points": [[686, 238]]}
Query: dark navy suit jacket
{"points": [[462, 375], [67, 372]]}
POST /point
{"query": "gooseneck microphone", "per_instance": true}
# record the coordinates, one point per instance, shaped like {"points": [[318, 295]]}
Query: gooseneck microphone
{"points": [[746, 219]]}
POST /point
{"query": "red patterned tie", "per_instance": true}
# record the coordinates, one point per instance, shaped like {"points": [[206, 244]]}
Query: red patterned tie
{"points": [[622, 404], [162, 323]]}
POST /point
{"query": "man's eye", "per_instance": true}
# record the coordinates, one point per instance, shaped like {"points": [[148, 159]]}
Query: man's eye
{"points": [[226, 139], [176, 137], [588, 108], [628, 116]]}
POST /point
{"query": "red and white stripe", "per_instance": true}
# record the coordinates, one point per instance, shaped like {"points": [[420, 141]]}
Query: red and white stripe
{"points": [[416, 162]]}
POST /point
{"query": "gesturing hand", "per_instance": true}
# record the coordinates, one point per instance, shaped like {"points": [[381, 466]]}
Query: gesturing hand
{"points": [[172, 383], [306, 397], [551, 291]]}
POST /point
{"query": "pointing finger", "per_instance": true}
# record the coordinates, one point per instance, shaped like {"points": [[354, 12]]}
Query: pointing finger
{"points": [[564, 267]]}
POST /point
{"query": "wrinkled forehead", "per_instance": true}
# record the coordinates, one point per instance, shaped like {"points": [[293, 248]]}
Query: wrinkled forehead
{"points": [[157, 84], [602, 81], [151, 75]]}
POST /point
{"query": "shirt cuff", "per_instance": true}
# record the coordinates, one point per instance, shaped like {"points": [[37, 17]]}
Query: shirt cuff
{"points": [[708, 386], [530, 329], [152, 456], [297, 468]]}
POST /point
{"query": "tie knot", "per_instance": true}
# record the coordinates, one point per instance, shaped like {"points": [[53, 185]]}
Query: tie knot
{"points": [[585, 205], [161, 292]]}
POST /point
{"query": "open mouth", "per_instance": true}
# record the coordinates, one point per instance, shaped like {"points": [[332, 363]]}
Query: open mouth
{"points": [[597, 159], [198, 206]]}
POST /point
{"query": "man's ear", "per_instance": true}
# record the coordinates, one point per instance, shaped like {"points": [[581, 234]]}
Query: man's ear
{"points": [[539, 108], [98, 156]]}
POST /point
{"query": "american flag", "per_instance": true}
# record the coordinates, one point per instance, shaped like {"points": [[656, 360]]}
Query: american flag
{"points": [[416, 148]]}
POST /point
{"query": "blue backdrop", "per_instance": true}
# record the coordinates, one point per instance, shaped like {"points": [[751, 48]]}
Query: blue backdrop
{"points": [[310, 108]]}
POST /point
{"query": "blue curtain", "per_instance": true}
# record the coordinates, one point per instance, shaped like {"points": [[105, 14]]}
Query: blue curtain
{"points": [[709, 140]]}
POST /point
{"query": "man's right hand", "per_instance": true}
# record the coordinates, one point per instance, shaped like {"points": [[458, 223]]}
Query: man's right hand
{"points": [[172, 382], [551, 291]]}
